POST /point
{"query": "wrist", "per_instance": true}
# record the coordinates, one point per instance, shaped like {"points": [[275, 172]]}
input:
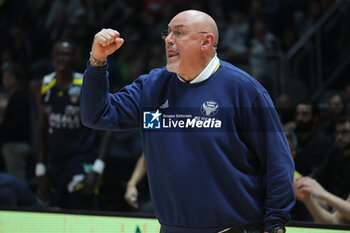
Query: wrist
{"points": [[98, 166], [131, 184], [40, 169], [322, 195], [95, 62]]}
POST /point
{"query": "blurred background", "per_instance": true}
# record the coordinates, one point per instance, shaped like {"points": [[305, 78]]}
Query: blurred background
{"points": [[296, 49]]}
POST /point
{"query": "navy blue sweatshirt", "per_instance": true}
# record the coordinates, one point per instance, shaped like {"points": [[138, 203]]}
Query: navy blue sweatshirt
{"points": [[215, 151]]}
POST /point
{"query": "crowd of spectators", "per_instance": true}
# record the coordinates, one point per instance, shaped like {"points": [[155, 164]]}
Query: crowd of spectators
{"points": [[251, 33]]}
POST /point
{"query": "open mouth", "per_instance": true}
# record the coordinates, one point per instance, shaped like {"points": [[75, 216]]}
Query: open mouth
{"points": [[172, 54]]}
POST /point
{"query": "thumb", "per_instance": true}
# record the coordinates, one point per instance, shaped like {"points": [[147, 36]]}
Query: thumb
{"points": [[119, 41]]}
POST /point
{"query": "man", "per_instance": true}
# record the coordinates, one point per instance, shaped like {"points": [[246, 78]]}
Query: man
{"points": [[336, 109], [312, 150], [334, 177], [66, 147], [15, 122], [216, 155], [286, 112], [313, 146], [334, 174]]}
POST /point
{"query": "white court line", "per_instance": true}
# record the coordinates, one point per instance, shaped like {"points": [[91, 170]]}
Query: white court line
{"points": [[224, 230]]}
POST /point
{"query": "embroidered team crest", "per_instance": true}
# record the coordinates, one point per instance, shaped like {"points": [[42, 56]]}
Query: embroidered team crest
{"points": [[165, 105], [209, 108]]}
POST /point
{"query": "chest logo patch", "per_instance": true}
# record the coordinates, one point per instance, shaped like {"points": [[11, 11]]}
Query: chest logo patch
{"points": [[209, 108]]}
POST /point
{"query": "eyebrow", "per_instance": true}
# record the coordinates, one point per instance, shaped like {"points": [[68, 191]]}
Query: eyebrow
{"points": [[177, 26]]}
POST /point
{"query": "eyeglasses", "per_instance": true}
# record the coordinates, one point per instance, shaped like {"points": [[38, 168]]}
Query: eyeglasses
{"points": [[177, 33]]}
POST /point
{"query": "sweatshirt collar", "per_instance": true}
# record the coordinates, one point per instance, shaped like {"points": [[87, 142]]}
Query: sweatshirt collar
{"points": [[205, 74]]}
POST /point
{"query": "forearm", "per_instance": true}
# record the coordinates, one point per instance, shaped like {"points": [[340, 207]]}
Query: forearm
{"points": [[42, 153], [104, 111], [94, 96], [40, 168], [341, 206], [105, 145], [42, 132], [318, 213], [42, 144], [139, 171]]}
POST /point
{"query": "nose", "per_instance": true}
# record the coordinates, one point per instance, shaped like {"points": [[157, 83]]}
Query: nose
{"points": [[61, 57], [169, 38]]}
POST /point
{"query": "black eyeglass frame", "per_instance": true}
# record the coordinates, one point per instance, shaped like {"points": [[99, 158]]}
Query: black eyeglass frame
{"points": [[165, 33]]}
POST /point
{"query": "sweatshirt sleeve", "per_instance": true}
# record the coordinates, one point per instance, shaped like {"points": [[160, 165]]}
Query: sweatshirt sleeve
{"points": [[265, 136], [105, 111]]}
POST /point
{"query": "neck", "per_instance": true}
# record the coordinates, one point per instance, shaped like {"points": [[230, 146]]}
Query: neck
{"points": [[195, 71], [188, 78], [64, 80]]}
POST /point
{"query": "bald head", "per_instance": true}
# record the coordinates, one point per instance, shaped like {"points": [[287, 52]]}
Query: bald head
{"points": [[64, 45], [202, 21], [190, 43]]}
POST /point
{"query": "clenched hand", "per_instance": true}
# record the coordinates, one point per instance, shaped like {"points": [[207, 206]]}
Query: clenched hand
{"points": [[106, 42]]}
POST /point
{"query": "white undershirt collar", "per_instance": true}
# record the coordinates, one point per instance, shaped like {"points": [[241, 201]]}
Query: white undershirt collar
{"points": [[205, 74]]}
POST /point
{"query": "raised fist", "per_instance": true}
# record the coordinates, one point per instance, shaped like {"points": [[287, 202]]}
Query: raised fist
{"points": [[106, 42]]}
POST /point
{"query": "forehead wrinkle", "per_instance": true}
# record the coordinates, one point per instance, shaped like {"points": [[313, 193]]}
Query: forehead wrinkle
{"points": [[177, 26]]}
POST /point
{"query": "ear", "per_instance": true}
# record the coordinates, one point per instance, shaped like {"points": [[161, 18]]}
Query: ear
{"points": [[207, 42]]}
